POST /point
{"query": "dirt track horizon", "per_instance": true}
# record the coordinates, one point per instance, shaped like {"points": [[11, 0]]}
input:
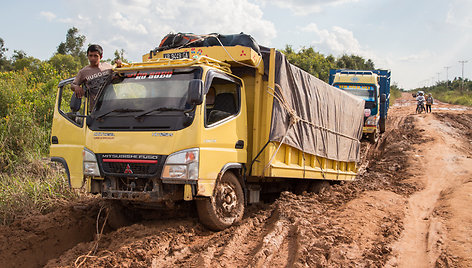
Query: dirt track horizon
{"points": [[409, 207]]}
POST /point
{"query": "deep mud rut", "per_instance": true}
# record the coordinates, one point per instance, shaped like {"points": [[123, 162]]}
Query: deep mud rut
{"points": [[410, 207]]}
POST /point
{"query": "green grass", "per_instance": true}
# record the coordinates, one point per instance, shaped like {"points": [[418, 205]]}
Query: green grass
{"points": [[395, 93], [453, 92], [454, 97], [31, 189]]}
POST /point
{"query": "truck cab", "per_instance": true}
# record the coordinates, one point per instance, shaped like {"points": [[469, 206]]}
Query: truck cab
{"points": [[151, 124]]}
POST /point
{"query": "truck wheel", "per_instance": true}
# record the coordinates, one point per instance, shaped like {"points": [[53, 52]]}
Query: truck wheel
{"points": [[225, 207], [374, 137], [319, 186]]}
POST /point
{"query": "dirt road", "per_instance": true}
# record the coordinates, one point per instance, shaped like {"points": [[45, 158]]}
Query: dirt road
{"points": [[410, 207]]}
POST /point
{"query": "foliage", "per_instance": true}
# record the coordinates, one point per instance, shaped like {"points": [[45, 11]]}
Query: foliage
{"points": [[395, 93], [66, 64], [318, 65], [73, 46], [119, 55], [5, 64], [454, 92], [26, 107], [33, 189]]}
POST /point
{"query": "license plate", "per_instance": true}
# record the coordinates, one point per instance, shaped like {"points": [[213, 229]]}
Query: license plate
{"points": [[177, 55]]}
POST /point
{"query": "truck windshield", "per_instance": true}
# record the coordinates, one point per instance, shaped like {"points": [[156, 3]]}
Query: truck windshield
{"points": [[366, 92], [144, 91]]}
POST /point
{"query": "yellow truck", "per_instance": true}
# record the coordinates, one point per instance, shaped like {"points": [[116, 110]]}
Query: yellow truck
{"points": [[218, 121]]}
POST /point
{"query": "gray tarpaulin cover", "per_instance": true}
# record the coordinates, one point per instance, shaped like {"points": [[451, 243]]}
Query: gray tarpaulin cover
{"points": [[330, 120]]}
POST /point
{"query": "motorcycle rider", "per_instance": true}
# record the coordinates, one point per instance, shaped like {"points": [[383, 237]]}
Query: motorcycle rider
{"points": [[420, 99]]}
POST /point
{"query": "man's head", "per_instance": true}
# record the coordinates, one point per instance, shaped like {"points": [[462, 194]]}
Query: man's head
{"points": [[94, 54]]}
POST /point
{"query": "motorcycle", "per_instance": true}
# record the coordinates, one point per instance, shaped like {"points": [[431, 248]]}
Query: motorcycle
{"points": [[420, 107]]}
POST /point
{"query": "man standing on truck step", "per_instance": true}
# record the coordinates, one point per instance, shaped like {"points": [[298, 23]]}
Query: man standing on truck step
{"points": [[94, 75]]}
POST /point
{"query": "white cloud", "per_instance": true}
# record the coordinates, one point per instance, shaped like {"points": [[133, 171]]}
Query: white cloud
{"points": [[425, 55], [336, 41], [459, 13], [47, 15], [304, 7], [138, 26]]}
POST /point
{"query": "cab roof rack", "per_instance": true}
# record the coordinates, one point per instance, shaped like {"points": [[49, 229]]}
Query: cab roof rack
{"points": [[173, 63]]}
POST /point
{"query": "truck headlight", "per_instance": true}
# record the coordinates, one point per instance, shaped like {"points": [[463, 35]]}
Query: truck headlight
{"points": [[371, 121], [182, 165], [90, 163]]}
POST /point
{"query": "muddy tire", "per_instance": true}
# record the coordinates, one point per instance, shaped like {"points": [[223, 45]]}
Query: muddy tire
{"points": [[225, 207], [319, 186], [374, 137]]}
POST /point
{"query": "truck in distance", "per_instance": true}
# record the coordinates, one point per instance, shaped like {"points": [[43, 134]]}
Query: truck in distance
{"points": [[374, 87]]}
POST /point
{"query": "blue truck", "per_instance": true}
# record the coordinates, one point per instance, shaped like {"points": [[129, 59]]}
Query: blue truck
{"points": [[374, 87]]}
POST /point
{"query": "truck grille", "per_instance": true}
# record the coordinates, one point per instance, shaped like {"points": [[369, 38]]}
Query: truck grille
{"points": [[131, 165]]}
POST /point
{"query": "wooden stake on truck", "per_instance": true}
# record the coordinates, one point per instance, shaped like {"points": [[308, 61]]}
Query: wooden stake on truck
{"points": [[220, 123]]}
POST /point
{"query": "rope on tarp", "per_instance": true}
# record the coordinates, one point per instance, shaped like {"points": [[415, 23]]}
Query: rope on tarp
{"points": [[294, 119]]}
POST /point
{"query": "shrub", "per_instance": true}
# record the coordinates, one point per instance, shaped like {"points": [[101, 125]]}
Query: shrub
{"points": [[32, 189]]}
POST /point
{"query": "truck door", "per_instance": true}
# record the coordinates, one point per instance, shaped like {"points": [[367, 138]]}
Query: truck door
{"points": [[68, 134], [225, 132]]}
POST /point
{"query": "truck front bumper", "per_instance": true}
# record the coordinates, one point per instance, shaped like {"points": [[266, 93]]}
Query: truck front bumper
{"points": [[369, 129]]}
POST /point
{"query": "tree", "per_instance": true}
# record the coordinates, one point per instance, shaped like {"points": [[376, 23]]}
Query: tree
{"points": [[65, 64], [119, 55], [20, 61], [318, 65], [73, 46], [5, 64], [354, 62], [18, 55], [29, 63], [3, 49]]}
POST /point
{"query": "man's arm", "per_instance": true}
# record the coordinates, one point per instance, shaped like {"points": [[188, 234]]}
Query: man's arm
{"points": [[79, 91], [79, 80]]}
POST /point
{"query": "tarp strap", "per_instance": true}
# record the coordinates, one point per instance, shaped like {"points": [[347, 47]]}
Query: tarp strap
{"points": [[295, 118], [276, 151]]}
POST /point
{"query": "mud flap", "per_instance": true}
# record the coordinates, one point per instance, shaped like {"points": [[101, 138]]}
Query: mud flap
{"points": [[188, 196]]}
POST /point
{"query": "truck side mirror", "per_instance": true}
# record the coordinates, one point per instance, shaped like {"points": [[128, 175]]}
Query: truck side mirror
{"points": [[195, 92], [383, 98], [75, 103]]}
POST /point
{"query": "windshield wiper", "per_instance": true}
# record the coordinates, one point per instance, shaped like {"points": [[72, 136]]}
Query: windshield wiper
{"points": [[119, 110], [160, 109]]}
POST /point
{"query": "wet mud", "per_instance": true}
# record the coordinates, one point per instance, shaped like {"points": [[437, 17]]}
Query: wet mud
{"points": [[348, 224]]}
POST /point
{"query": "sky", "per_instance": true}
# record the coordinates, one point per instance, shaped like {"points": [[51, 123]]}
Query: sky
{"points": [[420, 41]]}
